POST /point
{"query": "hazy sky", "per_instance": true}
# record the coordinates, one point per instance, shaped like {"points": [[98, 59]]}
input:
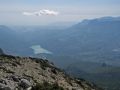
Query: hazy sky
{"points": [[11, 11]]}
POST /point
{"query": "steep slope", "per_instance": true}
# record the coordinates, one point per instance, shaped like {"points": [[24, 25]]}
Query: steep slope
{"points": [[97, 36], [26, 72]]}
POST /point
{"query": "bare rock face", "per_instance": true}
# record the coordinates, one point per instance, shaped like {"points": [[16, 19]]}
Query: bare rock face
{"points": [[23, 73]]}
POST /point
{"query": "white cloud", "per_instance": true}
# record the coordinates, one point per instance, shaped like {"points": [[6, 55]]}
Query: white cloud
{"points": [[41, 12]]}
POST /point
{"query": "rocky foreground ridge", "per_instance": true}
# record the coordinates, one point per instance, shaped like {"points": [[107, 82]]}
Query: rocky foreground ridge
{"points": [[25, 73]]}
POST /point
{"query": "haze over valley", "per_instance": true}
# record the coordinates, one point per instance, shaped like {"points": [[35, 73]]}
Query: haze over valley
{"points": [[81, 37], [90, 42]]}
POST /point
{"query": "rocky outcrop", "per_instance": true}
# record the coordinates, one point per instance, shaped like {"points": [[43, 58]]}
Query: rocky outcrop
{"points": [[23, 73]]}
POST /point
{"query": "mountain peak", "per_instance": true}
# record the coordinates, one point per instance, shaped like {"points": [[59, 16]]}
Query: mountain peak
{"points": [[107, 18]]}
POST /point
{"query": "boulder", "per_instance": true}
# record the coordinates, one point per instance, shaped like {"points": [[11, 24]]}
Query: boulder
{"points": [[7, 84], [2, 81], [25, 84], [4, 87]]}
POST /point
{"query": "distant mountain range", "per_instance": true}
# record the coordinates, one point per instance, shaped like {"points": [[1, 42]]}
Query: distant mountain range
{"points": [[93, 41]]}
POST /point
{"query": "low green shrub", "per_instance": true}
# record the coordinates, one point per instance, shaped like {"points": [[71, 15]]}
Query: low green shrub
{"points": [[47, 86]]}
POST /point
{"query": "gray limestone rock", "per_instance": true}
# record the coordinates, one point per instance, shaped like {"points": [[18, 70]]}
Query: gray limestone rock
{"points": [[4, 87], [25, 83]]}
